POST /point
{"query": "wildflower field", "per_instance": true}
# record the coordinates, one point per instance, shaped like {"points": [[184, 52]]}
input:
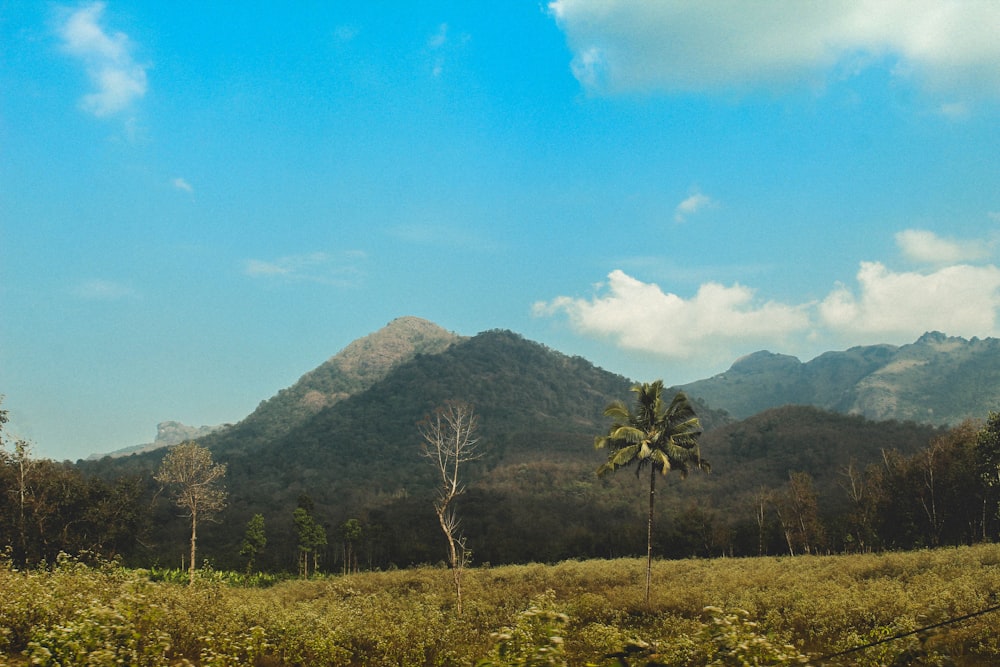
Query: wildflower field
{"points": [[720, 612]]}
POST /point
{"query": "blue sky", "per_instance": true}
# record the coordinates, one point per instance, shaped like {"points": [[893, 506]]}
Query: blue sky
{"points": [[201, 202]]}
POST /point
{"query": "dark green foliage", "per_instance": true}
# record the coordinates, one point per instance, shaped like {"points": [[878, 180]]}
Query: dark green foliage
{"points": [[987, 453], [312, 536], [48, 507], [254, 540]]}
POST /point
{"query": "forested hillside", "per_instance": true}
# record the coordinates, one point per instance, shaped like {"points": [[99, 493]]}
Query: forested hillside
{"points": [[534, 495], [352, 370], [938, 379]]}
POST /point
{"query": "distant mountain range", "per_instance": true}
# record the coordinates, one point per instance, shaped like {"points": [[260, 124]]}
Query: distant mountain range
{"points": [[167, 433], [937, 380]]}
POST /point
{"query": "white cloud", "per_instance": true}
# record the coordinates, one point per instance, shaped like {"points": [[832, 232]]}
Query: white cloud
{"points": [[640, 316], [623, 46], [692, 205], [927, 247], [103, 290], [182, 184], [443, 46], [960, 300], [343, 270], [107, 58], [720, 323]]}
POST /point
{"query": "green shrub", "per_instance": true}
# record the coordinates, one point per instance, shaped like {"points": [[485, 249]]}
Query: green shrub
{"points": [[80, 613]]}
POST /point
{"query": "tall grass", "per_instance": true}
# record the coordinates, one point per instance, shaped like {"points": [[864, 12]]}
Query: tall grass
{"points": [[767, 611]]}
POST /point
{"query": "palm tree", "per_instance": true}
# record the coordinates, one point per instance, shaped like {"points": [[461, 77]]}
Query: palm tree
{"points": [[656, 435]]}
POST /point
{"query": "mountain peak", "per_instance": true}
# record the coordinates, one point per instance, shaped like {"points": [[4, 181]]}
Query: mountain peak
{"points": [[932, 337], [354, 369], [938, 379], [371, 357], [764, 360]]}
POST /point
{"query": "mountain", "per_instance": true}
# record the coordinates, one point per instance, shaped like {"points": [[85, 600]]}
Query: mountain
{"points": [[936, 380], [355, 453], [539, 411], [167, 433], [354, 369], [360, 456], [763, 449]]}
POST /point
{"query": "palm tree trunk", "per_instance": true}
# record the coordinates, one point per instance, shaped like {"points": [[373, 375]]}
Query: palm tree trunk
{"points": [[649, 530]]}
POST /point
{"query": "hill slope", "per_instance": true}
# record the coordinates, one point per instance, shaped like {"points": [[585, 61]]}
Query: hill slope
{"points": [[935, 380], [360, 458], [354, 369], [533, 496]]}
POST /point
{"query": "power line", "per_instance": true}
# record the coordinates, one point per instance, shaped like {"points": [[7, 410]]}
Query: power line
{"points": [[901, 635]]}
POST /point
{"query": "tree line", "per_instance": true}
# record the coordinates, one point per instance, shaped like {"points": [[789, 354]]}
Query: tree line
{"points": [[546, 507]]}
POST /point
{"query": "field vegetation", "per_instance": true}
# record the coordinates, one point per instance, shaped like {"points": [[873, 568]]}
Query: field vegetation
{"points": [[729, 611]]}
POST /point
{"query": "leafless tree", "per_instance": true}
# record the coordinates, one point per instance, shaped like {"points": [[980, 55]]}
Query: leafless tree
{"points": [[450, 441], [196, 485]]}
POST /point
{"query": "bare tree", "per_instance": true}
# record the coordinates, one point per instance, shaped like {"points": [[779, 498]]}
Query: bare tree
{"points": [[798, 513], [862, 488], [761, 498], [450, 441], [196, 485]]}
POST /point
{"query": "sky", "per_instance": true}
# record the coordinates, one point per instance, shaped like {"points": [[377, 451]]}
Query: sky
{"points": [[200, 202]]}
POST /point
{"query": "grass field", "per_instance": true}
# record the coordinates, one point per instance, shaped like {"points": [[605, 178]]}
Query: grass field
{"points": [[759, 611]]}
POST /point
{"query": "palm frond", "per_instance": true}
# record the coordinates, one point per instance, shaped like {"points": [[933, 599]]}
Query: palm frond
{"points": [[618, 411], [652, 432], [619, 459], [626, 434]]}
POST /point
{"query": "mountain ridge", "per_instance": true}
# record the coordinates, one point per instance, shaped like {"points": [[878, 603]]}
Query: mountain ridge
{"points": [[355, 368], [937, 379]]}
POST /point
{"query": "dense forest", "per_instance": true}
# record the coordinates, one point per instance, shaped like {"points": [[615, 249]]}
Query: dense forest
{"points": [[790, 480]]}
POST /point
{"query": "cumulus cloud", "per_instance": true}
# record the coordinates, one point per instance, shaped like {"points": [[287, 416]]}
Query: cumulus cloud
{"points": [[720, 323], [641, 316], [960, 300], [692, 205], [118, 80], [710, 44], [342, 270], [929, 248]]}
